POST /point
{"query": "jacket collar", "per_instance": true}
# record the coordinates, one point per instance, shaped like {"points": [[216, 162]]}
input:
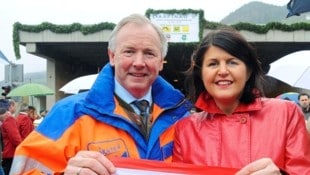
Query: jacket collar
{"points": [[206, 103], [101, 97]]}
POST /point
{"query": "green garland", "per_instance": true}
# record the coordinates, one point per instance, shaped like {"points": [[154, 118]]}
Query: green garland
{"points": [[203, 24], [85, 29], [262, 29]]}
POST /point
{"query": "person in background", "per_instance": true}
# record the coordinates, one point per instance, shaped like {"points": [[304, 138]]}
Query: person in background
{"points": [[33, 113], [25, 120], [308, 125], [3, 103], [12, 107], [43, 113], [235, 126], [3, 113], [40, 117], [81, 132], [10, 136], [304, 102]]}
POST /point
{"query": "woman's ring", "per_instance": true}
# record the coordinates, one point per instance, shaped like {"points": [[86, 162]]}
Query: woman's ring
{"points": [[79, 170]]}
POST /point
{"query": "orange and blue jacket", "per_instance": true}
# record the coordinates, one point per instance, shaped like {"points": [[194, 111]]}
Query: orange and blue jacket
{"points": [[95, 121]]}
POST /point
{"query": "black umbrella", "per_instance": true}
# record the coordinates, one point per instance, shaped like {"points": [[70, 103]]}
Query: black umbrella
{"points": [[296, 7]]}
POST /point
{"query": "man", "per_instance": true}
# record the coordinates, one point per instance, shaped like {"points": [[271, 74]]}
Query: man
{"points": [[25, 120], [10, 135], [3, 113], [81, 132], [40, 117], [304, 102], [12, 107], [43, 113]]}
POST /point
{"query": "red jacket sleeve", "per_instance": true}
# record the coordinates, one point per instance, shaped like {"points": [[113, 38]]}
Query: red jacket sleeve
{"points": [[12, 130], [25, 126]]}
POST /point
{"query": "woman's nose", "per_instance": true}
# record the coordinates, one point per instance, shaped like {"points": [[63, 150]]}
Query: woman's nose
{"points": [[223, 70]]}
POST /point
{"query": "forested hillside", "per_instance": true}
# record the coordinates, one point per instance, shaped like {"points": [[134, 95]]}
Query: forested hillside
{"points": [[262, 13]]}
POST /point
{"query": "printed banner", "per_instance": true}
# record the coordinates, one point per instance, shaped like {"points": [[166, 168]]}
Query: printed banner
{"points": [[178, 27], [130, 166]]}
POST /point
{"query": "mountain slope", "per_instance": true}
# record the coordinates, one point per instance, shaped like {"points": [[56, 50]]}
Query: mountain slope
{"points": [[262, 13]]}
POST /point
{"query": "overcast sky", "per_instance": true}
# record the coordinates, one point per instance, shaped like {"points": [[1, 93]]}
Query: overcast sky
{"points": [[33, 12]]}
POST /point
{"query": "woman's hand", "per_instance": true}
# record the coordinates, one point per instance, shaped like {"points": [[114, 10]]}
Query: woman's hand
{"points": [[264, 166], [89, 163]]}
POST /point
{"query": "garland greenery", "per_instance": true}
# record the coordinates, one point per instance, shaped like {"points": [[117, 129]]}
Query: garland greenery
{"points": [[85, 29], [203, 24]]}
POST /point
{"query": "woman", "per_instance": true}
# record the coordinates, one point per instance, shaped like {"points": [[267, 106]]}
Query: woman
{"points": [[237, 127]]}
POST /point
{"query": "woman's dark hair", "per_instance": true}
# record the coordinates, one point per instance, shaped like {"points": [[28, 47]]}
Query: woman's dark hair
{"points": [[235, 44]]}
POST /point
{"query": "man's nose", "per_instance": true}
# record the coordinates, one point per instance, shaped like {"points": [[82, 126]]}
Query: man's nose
{"points": [[139, 59]]}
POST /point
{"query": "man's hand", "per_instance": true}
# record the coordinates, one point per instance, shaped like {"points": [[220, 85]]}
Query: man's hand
{"points": [[89, 163]]}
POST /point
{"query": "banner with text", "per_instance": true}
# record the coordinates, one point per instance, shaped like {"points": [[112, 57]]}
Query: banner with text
{"points": [[178, 27]]}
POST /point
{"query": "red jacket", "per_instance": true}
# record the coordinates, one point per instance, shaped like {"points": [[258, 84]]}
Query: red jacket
{"points": [[11, 137], [266, 128], [25, 124]]}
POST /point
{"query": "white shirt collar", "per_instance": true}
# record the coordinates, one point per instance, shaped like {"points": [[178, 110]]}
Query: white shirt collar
{"points": [[127, 97]]}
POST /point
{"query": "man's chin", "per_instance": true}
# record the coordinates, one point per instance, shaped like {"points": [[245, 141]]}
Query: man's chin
{"points": [[138, 91]]}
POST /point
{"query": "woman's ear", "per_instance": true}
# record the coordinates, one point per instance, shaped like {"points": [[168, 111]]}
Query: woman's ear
{"points": [[249, 73]]}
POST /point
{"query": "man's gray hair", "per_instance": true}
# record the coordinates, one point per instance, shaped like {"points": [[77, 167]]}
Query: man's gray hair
{"points": [[141, 20]]}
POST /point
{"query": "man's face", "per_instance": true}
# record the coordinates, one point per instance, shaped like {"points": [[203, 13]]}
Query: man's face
{"points": [[304, 101], [137, 58], [32, 114], [12, 108]]}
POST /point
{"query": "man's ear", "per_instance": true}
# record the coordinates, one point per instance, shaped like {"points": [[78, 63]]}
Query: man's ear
{"points": [[162, 64], [111, 57]]}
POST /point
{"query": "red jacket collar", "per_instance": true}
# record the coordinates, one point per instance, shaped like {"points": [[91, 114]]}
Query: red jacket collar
{"points": [[206, 103]]}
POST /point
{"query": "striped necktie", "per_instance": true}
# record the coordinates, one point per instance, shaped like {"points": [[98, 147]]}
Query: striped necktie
{"points": [[142, 105]]}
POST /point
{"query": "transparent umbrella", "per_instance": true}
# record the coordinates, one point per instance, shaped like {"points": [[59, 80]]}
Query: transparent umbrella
{"points": [[293, 69], [79, 84]]}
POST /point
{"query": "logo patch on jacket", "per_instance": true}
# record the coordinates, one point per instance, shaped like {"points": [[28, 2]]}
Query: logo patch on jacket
{"points": [[113, 148]]}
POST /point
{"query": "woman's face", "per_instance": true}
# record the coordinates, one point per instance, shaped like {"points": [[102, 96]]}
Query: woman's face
{"points": [[224, 76]]}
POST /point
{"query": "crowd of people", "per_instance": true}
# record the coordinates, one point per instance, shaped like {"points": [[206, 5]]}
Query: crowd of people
{"points": [[16, 124], [131, 111]]}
